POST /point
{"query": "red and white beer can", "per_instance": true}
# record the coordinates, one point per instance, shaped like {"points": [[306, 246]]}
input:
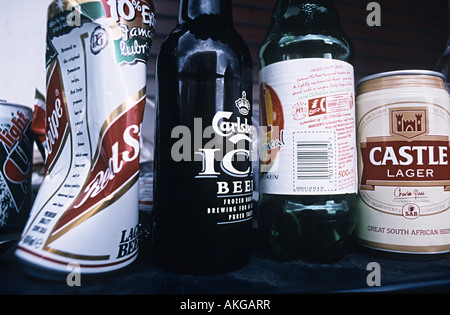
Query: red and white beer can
{"points": [[16, 164], [86, 210]]}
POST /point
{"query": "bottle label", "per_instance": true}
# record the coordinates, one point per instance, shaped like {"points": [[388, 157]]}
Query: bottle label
{"points": [[222, 165], [234, 183], [308, 142]]}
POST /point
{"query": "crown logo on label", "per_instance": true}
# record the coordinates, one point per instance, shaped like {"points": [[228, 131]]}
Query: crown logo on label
{"points": [[243, 104]]}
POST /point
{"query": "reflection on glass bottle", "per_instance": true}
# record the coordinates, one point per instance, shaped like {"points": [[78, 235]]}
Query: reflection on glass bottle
{"points": [[308, 151], [203, 207]]}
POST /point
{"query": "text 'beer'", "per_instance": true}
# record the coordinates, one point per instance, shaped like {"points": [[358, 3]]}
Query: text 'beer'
{"points": [[203, 200]]}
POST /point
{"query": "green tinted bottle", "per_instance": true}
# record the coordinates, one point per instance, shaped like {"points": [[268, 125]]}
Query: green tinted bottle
{"points": [[308, 174]]}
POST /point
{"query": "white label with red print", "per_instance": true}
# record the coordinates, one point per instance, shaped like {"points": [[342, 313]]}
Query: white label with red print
{"points": [[308, 142]]}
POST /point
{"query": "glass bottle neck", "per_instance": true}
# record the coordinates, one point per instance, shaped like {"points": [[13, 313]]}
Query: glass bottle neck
{"points": [[312, 15], [281, 4], [191, 9]]}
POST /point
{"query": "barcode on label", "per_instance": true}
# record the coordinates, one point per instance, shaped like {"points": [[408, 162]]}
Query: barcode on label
{"points": [[314, 158]]}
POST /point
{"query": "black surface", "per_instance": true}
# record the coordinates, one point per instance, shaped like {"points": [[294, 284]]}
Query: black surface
{"points": [[261, 276]]}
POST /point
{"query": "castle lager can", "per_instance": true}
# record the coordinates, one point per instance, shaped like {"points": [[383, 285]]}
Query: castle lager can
{"points": [[404, 173], [86, 211], [16, 163]]}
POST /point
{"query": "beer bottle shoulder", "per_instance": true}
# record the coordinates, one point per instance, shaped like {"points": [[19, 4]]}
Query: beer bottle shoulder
{"points": [[279, 47], [206, 37]]}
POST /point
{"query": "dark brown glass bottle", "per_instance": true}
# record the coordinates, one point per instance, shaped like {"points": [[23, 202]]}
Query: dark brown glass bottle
{"points": [[305, 206], [203, 185]]}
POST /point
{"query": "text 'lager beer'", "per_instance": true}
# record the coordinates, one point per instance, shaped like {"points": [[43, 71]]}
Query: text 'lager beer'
{"points": [[308, 147], [203, 205], [85, 214]]}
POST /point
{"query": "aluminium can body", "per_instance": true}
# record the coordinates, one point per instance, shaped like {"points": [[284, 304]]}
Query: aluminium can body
{"points": [[403, 136], [16, 164], [85, 216]]}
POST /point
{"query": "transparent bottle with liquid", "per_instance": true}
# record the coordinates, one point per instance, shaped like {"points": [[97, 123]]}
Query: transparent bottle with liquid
{"points": [[308, 176]]}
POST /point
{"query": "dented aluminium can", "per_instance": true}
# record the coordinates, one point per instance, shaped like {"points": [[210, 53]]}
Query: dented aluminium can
{"points": [[86, 210], [404, 171], [16, 164]]}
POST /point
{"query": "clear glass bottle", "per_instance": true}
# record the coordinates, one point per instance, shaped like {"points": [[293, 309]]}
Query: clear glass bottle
{"points": [[203, 207], [308, 150]]}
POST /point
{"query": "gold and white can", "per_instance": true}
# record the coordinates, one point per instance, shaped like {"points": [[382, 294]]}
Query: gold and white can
{"points": [[403, 130]]}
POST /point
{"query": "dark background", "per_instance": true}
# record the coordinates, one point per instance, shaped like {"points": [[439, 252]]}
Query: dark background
{"points": [[412, 35]]}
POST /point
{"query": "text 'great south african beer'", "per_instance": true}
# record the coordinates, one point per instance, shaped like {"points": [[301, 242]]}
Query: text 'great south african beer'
{"points": [[308, 153], [203, 205]]}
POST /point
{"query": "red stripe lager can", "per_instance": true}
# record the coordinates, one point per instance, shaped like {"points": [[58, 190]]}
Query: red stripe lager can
{"points": [[16, 163], [86, 210]]}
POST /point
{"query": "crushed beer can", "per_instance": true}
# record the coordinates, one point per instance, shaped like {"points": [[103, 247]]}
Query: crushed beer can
{"points": [[86, 211], [16, 164]]}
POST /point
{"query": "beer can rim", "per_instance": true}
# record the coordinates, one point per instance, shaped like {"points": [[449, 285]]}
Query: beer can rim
{"points": [[401, 72]]}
